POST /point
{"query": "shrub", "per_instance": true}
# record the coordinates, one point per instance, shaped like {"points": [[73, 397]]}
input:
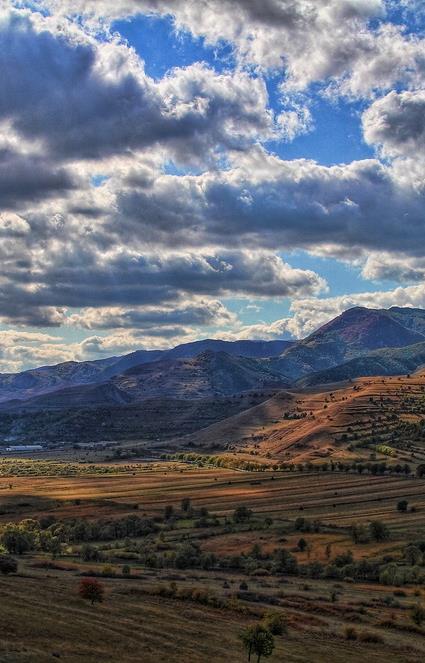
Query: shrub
{"points": [[367, 636], [242, 514], [275, 622], [8, 565], [417, 614], [350, 633], [91, 590]]}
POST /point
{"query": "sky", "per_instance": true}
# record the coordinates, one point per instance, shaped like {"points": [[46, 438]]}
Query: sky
{"points": [[172, 170]]}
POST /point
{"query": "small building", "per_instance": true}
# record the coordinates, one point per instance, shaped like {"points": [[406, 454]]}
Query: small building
{"points": [[24, 447]]}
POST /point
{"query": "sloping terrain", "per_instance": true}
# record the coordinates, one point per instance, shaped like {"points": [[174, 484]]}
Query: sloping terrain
{"points": [[342, 422], [210, 374], [354, 333], [152, 419], [47, 379], [206, 375], [397, 361]]}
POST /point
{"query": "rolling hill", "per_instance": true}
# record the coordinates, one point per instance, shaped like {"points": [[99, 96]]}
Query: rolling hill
{"points": [[208, 375], [389, 361], [355, 333], [48, 379]]}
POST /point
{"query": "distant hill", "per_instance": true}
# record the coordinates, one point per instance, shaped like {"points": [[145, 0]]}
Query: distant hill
{"points": [[354, 333], [210, 374], [359, 342], [47, 379], [50, 378], [398, 361]]}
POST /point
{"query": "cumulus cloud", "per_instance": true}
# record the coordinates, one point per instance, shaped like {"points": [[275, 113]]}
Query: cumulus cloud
{"points": [[134, 204], [389, 267], [89, 99], [266, 201], [91, 279], [310, 313], [367, 52], [396, 124], [195, 312]]}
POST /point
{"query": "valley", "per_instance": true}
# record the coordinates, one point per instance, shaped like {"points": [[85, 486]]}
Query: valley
{"points": [[204, 494]]}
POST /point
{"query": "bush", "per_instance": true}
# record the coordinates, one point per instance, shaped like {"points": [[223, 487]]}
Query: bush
{"points": [[350, 633], [275, 622], [91, 590], [108, 571], [367, 636], [8, 565], [417, 613]]}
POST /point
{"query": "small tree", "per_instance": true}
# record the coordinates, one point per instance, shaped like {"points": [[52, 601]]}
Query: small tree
{"points": [[379, 531], [258, 640], [402, 506], [302, 544], [186, 504], [91, 590], [417, 613], [274, 622], [7, 565], [242, 514]]}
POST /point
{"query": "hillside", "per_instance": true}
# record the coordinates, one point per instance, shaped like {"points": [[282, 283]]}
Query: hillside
{"points": [[396, 361], [354, 333], [342, 422], [152, 419], [47, 379]]}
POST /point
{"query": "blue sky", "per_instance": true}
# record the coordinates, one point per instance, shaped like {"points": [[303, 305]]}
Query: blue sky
{"points": [[334, 138], [177, 169]]}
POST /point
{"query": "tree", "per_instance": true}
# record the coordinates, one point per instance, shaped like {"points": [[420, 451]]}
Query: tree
{"points": [[7, 565], [417, 613], [242, 514], [258, 640], [274, 622], [379, 531], [16, 539], [302, 544], [186, 504], [402, 506], [91, 590], [413, 555]]}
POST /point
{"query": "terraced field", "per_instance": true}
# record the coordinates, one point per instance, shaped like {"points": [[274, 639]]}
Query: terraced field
{"points": [[150, 612], [332, 496]]}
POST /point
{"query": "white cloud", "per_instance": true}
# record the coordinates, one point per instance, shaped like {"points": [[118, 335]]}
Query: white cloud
{"points": [[396, 124], [366, 52]]}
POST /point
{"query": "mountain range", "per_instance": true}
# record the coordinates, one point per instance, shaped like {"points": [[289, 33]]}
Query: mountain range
{"points": [[359, 342]]}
